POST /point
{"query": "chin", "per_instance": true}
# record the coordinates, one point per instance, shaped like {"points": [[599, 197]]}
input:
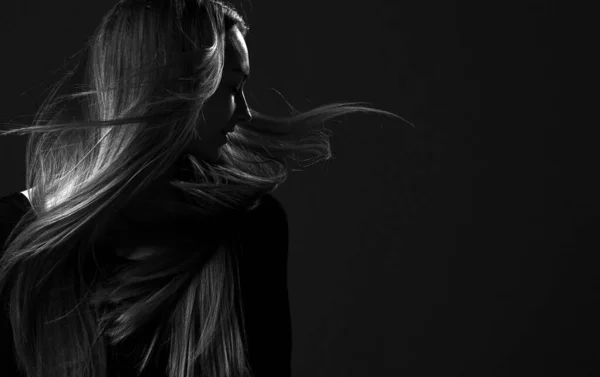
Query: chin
{"points": [[214, 156], [207, 150]]}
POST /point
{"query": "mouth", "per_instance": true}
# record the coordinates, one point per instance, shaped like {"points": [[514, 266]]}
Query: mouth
{"points": [[225, 136]]}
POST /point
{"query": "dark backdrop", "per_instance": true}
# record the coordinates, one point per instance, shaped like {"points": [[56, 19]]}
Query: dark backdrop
{"points": [[463, 247]]}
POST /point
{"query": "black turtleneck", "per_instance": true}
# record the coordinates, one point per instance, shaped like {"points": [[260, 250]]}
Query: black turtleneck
{"points": [[263, 279]]}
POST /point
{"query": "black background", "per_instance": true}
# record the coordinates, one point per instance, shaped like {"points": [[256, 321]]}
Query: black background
{"points": [[462, 247]]}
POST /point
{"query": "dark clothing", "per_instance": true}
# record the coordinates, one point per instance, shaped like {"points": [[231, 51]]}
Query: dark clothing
{"points": [[263, 280]]}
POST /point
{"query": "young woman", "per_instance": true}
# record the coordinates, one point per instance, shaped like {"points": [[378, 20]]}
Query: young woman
{"points": [[152, 243]]}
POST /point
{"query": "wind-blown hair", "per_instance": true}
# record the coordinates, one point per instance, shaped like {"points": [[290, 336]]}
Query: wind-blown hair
{"points": [[146, 73]]}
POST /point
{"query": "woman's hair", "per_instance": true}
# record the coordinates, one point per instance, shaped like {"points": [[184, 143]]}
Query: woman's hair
{"points": [[146, 74]]}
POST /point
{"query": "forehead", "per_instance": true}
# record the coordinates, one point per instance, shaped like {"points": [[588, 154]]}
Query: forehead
{"points": [[236, 51]]}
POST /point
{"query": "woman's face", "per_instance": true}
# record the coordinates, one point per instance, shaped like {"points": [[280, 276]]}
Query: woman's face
{"points": [[227, 106]]}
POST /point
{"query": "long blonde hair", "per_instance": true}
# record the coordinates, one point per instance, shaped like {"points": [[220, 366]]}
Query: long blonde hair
{"points": [[146, 74]]}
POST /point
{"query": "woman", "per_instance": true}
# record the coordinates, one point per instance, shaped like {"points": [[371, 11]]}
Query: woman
{"points": [[144, 170]]}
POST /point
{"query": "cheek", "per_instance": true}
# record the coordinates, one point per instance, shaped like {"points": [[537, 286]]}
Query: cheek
{"points": [[223, 112], [224, 105], [230, 106], [218, 110]]}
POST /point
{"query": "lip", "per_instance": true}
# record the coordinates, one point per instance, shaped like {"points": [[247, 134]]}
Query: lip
{"points": [[223, 137]]}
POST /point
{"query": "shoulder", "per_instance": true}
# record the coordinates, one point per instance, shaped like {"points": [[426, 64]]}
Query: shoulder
{"points": [[265, 234], [269, 216], [14, 204], [12, 208], [270, 210], [269, 202], [27, 194]]}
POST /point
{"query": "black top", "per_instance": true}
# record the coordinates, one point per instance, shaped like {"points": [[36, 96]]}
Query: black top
{"points": [[263, 280]]}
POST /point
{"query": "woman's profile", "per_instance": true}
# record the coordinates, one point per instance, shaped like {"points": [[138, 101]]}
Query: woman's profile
{"points": [[146, 188]]}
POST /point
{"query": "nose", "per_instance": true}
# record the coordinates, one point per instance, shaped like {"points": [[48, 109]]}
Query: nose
{"points": [[244, 115]]}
